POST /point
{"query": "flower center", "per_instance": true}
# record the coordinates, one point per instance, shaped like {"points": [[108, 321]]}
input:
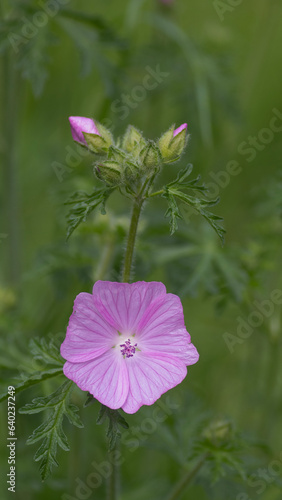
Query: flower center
{"points": [[128, 349]]}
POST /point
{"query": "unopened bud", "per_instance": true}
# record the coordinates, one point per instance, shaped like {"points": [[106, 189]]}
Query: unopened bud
{"points": [[116, 154], [109, 172], [150, 156], [96, 143], [218, 432], [105, 134], [133, 140], [172, 143], [79, 126]]}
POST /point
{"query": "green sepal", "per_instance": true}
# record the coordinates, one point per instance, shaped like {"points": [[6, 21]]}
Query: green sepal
{"points": [[105, 133], [109, 172], [164, 142], [96, 143], [132, 140], [171, 147], [116, 154], [150, 156]]}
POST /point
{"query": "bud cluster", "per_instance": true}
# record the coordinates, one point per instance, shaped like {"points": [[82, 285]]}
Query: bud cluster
{"points": [[131, 157]]}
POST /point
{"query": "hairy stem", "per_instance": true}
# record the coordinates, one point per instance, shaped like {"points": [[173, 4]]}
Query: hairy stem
{"points": [[186, 479], [137, 206]]}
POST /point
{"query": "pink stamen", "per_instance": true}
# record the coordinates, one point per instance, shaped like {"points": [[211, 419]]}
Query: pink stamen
{"points": [[127, 349]]}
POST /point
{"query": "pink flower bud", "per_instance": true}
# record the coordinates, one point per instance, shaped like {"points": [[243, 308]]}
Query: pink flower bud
{"points": [[179, 129], [80, 124]]}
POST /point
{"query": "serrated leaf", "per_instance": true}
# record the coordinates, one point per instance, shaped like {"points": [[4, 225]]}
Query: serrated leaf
{"points": [[51, 430], [48, 352], [180, 183], [89, 400], [172, 212], [83, 205], [115, 420], [182, 174], [33, 379], [200, 206]]}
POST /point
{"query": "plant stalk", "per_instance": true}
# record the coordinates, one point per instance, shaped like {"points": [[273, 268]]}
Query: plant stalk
{"points": [[186, 479], [113, 481], [137, 206]]}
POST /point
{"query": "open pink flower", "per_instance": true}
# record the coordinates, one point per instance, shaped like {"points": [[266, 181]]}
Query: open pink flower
{"points": [[80, 124], [179, 129], [127, 343]]}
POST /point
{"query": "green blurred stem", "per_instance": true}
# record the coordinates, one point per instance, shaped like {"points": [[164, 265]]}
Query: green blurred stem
{"points": [[105, 260], [113, 481], [10, 106], [135, 217], [137, 206], [186, 479]]}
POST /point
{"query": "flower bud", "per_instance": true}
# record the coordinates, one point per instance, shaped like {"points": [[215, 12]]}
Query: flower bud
{"points": [[150, 156], [96, 143], [218, 432], [133, 141], [116, 154], [81, 124], [90, 134], [172, 143], [105, 134], [131, 171], [109, 172]]}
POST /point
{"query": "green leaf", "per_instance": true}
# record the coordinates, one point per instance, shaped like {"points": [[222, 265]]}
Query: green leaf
{"points": [[199, 205], [51, 430], [33, 379], [84, 204], [115, 420], [89, 400], [193, 184], [49, 353], [172, 212]]}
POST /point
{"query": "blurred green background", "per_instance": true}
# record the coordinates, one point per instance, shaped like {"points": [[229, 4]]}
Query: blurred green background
{"points": [[218, 68]]}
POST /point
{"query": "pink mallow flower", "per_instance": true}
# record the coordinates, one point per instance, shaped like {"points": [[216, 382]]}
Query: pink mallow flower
{"points": [[127, 343], [179, 129], [80, 124]]}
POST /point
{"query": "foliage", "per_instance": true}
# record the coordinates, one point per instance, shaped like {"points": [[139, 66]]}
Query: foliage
{"points": [[83, 205], [51, 430], [116, 420], [174, 191]]}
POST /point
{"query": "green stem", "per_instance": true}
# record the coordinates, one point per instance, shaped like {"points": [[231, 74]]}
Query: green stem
{"points": [[137, 206], [186, 479], [157, 193], [104, 264], [10, 106], [113, 481]]}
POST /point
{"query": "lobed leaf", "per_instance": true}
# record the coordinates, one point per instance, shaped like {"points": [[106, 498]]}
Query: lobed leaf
{"points": [[115, 420], [33, 379], [51, 430], [83, 205], [49, 353]]}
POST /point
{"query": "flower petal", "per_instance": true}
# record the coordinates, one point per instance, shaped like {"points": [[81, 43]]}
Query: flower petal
{"points": [[164, 315], [123, 304], [80, 124], [105, 377], [150, 375], [179, 129], [162, 329], [88, 334]]}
